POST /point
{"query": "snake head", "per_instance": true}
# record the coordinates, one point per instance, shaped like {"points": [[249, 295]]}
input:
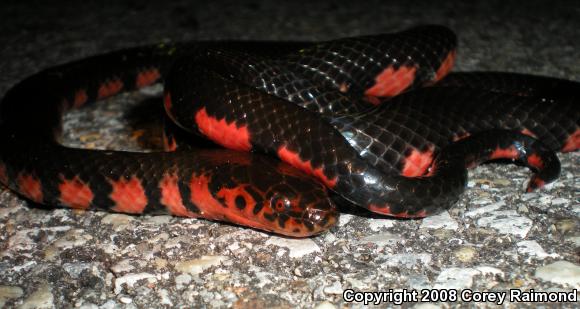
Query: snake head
{"points": [[299, 213], [266, 194]]}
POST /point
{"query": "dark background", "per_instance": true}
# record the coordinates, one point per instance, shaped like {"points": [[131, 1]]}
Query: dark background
{"points": [[493, 34]]}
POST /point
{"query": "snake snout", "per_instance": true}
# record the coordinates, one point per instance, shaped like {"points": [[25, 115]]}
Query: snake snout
{"points": [[321, 216]]}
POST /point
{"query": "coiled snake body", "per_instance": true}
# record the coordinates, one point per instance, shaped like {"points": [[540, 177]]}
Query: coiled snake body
{"points": [[376, 119]]}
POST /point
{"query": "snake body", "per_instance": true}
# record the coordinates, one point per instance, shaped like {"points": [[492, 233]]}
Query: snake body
{"points": [[376, 119]]}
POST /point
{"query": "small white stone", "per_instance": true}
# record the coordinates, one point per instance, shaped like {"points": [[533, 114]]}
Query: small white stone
{"points": [[488, 270], [419, 282], [485, 209], [197, 266], [407, 260], [507, 222], [440, 221], [325, 305], [575, 240], [297, 247], [182, 280], [234, 246], [41, 298], [561, 272], [123, 266], [560, 201], [119, 221], [545, 199], [344, 219], [329, 237], [8, 292], [379, 224], [75, 269], [125, 300], [355, 283], [164, 296], [455, 278], [153, 90], [159, 220], [381, 239], [335, 288], [72, 238], [465, 254], [131, 279], [531, 247]]}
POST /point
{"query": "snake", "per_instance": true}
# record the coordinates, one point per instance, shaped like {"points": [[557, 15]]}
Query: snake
{"points": [[377, 121]]}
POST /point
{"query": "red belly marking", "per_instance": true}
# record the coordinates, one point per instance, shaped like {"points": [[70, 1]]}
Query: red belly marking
{"points": [[535, 161], [504, 153], [146, 78], [226, 134], [30, 187], [3, 174], [128, 195], [417, 162], [573, 142], [171, 196], [293, 159], [390, 82], [75, 193], [80, 98], [109, 88], [445, 66]]}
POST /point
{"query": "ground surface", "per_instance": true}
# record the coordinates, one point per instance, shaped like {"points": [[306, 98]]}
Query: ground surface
{"points": [[496, 238]]}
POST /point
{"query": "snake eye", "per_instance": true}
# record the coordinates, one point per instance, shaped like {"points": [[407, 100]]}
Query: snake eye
{"points": [[281, 203]]}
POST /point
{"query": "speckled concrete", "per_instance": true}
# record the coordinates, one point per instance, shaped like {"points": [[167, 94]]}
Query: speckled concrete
{"points": [[497, 238]]}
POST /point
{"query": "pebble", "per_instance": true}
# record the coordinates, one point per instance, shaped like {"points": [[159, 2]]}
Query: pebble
{"points": [[560, 201], [182, 280], [565, 226], [41, 298], [197, 266], [297, 247], [335, 288], [485, 209], [344, 219], [8, 292], [381, 239], [325, 305], [561, 272], [407, 260], [72, 238], [125, 300], [419, 282], [164, 297], [455, 278], [329, 237], [123, 266], [489, 270], [575, 240], [379, 224], [465, 254], [440, 221], [75, 269], [131, 279], [118, 221], [159, 220], [507, 222], [355, 283], [532, 248]]}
